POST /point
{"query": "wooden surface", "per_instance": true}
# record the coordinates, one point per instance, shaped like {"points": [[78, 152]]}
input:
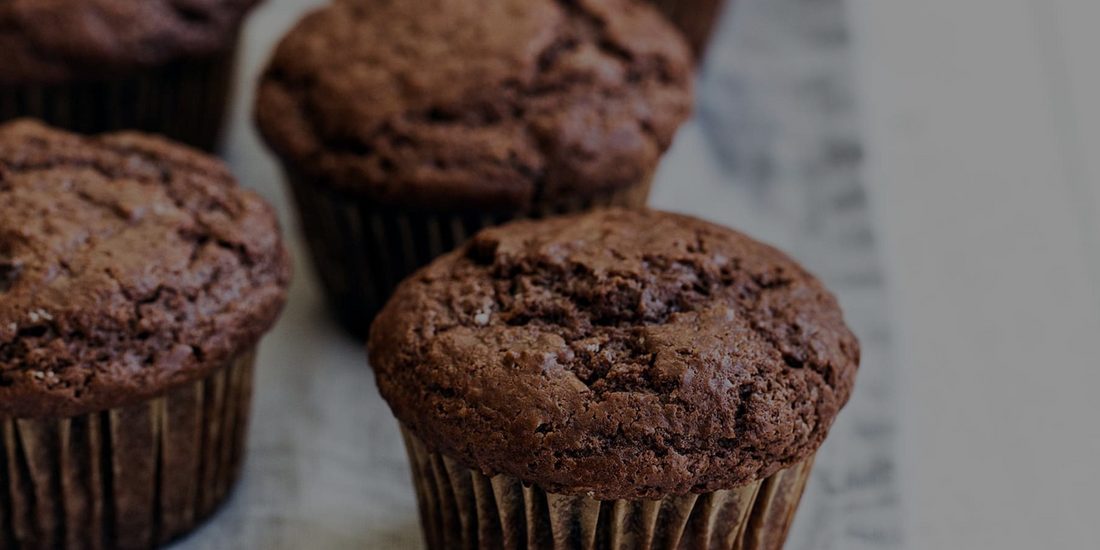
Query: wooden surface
{"points": [[983, 134]]}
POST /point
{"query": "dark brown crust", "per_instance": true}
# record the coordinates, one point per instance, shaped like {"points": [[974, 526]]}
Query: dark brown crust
{"points": [[487, 104], [129, 266], [626, 354], [59, 40]]}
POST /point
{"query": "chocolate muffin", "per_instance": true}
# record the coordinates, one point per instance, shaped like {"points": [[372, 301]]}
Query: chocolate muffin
{"points": [[696, 18], [621, 379], [94, 66], [405, 127], [136, 280]]}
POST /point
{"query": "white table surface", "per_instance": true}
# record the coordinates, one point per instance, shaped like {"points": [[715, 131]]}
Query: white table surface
{"points": [[983, 131]]}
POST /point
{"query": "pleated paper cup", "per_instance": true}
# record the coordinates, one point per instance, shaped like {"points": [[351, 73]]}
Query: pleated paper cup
{"points": [[184, 100], [462, 509], [697, 19], [362, 249], [131, 478]]}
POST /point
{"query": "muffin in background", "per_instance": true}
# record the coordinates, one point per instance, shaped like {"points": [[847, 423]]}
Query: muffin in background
{"points": [[696, 18], [94, 66], [136, 280], [405, 127], [619, 379]]}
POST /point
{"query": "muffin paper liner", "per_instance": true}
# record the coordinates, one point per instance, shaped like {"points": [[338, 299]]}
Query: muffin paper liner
{"points": [[185, 101], [130, 478], [462, 509], [362, 249], [695, 18]]}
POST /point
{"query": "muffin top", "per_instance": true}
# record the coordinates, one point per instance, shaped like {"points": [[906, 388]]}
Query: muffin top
{"points": [[625, 354], [441, 104], [56, 40], [128, 266]]}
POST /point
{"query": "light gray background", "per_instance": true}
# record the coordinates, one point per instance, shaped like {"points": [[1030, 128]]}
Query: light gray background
{"points": [[774, 151], [982, 129]]}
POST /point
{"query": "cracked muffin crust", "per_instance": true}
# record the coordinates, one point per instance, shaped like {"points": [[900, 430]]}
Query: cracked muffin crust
{"points": [[622, 354], [476, 104], [129, 266], [56, 40]]}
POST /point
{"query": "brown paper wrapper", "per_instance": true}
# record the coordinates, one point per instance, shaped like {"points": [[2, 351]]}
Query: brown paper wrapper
{"points": [[131, 478], [462, 509], [695, 18], [185, 101], [362, 249]]}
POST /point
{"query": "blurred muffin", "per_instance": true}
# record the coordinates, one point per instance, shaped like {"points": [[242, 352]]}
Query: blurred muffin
{"points": [[405, 127], [696, 18], [620, 379], [94, 66], [136, 280]]}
